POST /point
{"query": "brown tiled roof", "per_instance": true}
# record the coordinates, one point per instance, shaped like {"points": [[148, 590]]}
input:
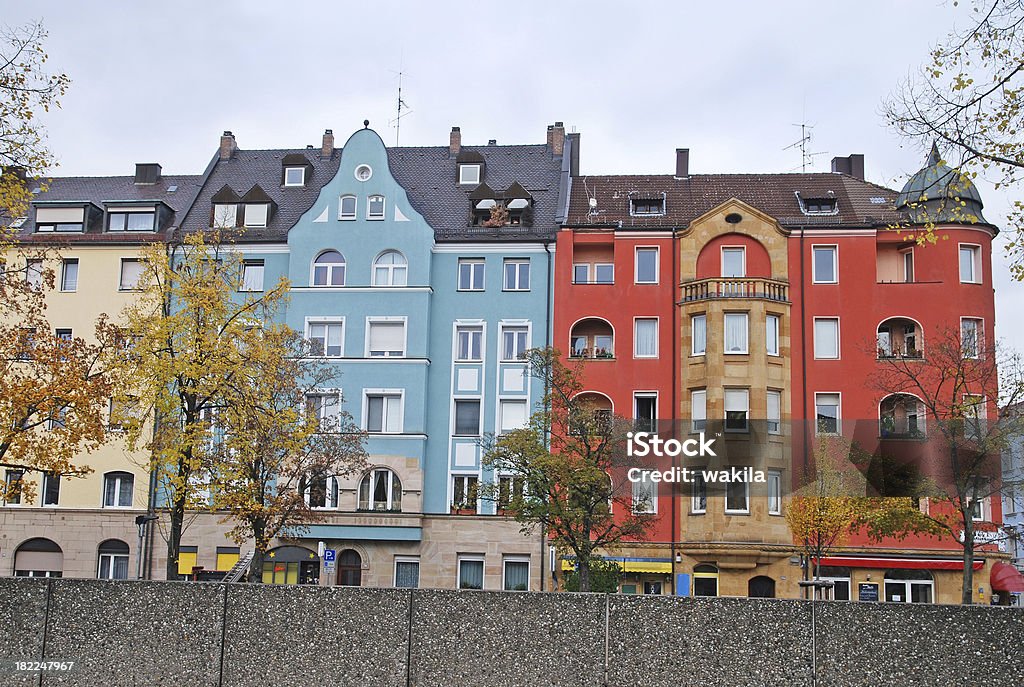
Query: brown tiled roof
{"points": [[860, 203]]}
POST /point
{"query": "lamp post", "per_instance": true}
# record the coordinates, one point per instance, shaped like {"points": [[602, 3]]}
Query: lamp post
{"points": [[814, 586], [141, 521]]}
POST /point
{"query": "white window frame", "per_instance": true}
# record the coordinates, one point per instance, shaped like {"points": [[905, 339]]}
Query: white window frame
{"points": [[746, 499], [905, 257], [471, 558], [117, 491], [331, 266], [463, 476], [266, 215], [323, 394], [726, 411], [778, 418], [64, 271], [693, 335], [975, 263], [465, 167], [646, 394], [387, 394], [225, 215], [348, 216], [636, 264], [302, 176], [518, 329], [594, 272], [405, 559], [577, 265], [979, 336], [328, 321], [110, 564], [702, 395], [515, 559], [774, 492], [503, 403], [473, 264], [331, 485], [392, 269], [743, 261], [469, 329], [46, 478], [516, 264], [120, 277], [746, 332], [480, 415], [246, 264], [370, 216], [657, 337], [817, 347], [839, 414], [371, 320], [772, 333], [835, 263], [698, 491], [652, 507]]}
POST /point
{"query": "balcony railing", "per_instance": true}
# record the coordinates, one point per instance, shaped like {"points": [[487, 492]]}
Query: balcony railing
{"points": [[736, 287]]}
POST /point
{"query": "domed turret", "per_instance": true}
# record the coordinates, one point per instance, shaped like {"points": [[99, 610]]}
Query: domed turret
{"points": [[940, 194]]}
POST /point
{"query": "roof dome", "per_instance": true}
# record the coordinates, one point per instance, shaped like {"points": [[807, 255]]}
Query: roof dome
{"points": [[939, 193]]}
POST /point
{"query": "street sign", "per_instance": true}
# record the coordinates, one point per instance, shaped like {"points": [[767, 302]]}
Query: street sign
{"points": [[329, 555]]}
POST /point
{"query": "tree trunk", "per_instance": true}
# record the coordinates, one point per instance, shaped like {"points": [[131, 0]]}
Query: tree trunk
{"points": [[177, 514], [583, 565], [259, 551], [967, 586]]}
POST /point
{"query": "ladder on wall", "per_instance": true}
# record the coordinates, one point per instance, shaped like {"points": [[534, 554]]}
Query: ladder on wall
{"points": [[240, 568]]}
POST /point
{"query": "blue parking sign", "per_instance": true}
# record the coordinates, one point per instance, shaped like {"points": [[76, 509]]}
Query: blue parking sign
{"points": [[329, 555]]}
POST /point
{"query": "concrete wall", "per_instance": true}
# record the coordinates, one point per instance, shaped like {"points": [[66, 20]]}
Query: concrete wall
{"points": [[171, 633]]}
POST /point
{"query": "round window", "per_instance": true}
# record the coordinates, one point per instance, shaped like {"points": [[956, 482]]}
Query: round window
{"points": [[363, 172]]}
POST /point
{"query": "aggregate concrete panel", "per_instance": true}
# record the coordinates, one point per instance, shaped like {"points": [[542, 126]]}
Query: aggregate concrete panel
{"points": [[657, 641], [299, 635], [882, 644], [513, 639], [22, 622], [127, 634]]}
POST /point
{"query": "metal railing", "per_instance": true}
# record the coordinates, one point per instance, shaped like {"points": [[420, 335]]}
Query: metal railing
{"points": [[736, 287]]}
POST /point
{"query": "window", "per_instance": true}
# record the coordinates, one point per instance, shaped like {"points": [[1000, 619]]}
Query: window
{"points": [[645, 412], [970, 264], [909, 586], [407, 573], [908, 265], [51, 488], [113, 560], [469, 343], [347, 208], [699, 492], [225, 216], [131, 221], [59, 219], [737, 408], [647, 206], [699, 334], [774, 408], [69, 274], [976, 507], [464, 491], [363, 173], [514, 342], [734, 262], [320, 491], [825, 264], [735, 333], [774, 492], [256, 214], [818, 206], [13, 484], [326, 338], [326, 408], [385, 339], [737, 497], [604, 273], [294, 176], [383, 413], [375, 207], [516, 574], [826, 338], [329, 269], [380, 490], [970, 337], [826, 412], [646, 265], [699, 410], [390, 269], [471, 572], [227, 556], [517, 275], [469, 174], [467, 418], [471, 275], [645, 494], [645, 337], [252, 275], [581, 274], [117, 489], [513, 415], [34, 273], [771, 326], [132, 270], [511, 492]]}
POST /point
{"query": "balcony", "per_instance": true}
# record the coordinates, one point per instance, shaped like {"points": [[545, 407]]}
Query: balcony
{"points": [[899, 337], [717, 288], [592, 338]]}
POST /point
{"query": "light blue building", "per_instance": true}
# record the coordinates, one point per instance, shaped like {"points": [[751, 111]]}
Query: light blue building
{"points": [[423, 299]]}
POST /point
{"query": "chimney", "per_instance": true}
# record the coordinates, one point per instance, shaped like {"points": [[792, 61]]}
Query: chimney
{"points": [[556, 138], [228, 146], [682, 163], [492, 141], [574, 154], [852, 165], [455, 142], [327, 149], [147, 173]]}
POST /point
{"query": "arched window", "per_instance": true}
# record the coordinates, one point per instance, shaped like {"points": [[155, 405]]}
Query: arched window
{"points": [[117, 489], [38, 557], [592, 338], [380, 489], [899, 337], [390, 269], [350, 568], [901, 416], [761, 587], [705, 580], [113, 560], [329, 269]]}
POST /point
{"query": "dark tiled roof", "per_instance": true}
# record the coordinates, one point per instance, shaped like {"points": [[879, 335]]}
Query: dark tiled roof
{"points": [[100, 190], [860, 203], [429, 176], [248, 168]]}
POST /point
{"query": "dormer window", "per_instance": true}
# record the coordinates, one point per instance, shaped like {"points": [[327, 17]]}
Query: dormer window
{"points": [[640, 207], [818, 204], [60, 219], [225, 215], [130, 219], [375, 207], [294, 176], [256, 214], [469, 174]]}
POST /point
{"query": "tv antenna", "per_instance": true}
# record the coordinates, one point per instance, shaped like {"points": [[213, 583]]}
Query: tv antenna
{"points": [[806, 157], [397, 121]]}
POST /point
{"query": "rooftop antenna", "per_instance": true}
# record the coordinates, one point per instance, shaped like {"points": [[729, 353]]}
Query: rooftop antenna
{"points": [[806, 157], [397, 121]]}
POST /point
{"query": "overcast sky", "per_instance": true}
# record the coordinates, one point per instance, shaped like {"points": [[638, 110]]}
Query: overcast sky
{"points": [[158, 82]]}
